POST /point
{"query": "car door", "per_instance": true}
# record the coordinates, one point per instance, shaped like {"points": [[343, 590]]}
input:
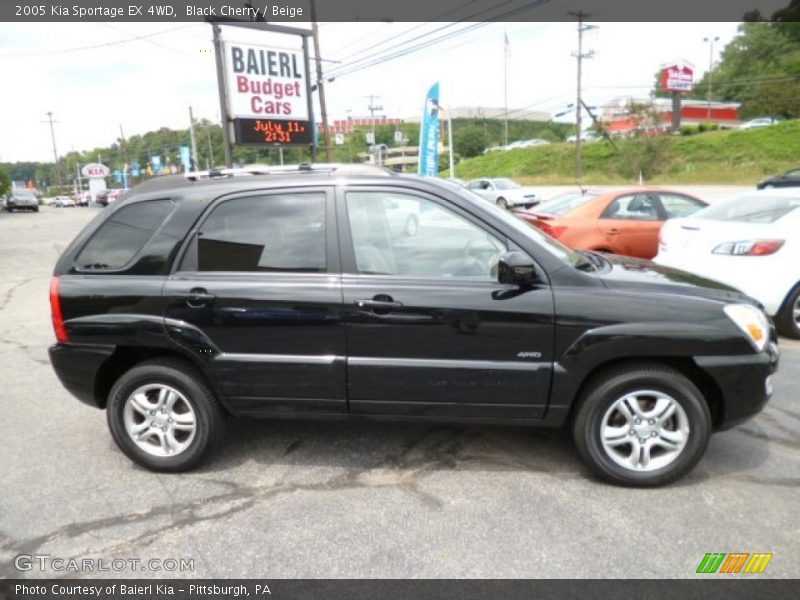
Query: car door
{"points": [[483, 188], [430, 331], [257, 297], [630, 224]]}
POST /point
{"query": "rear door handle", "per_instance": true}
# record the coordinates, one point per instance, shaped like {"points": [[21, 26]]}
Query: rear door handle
{"points": [[380, 304], [612, 231], [196, 297]]}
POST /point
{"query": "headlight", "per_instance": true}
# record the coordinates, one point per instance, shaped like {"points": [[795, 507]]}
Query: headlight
{"points": [[752, 321]]}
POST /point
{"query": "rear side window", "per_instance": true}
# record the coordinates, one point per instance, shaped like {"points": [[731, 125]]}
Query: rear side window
{"points": [[279, 233], [752, 209], [123, 235]]}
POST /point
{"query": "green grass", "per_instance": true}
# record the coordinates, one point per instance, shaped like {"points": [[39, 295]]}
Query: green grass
{"points": [[715, 157]]}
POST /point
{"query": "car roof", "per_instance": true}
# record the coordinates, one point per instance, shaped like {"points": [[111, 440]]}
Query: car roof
{"points": [[258, 175]]}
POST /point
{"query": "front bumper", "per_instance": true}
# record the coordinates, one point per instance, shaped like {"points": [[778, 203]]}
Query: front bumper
{"points": [[745, 382], [77, 367]]}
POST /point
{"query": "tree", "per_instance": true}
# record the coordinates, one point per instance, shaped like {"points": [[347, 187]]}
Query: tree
{"points": [[5, 181], [469, 141]]}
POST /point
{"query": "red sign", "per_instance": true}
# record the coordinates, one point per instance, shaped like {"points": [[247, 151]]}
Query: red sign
{"points": [[677, 78]]}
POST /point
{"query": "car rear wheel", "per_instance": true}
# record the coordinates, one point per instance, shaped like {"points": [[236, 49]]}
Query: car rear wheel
{"points": [[787, 321], [163, 415], [641, 425]]}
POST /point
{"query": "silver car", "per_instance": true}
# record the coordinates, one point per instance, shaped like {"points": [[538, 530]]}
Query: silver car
{"points": [[504, 192], [21, 199]]}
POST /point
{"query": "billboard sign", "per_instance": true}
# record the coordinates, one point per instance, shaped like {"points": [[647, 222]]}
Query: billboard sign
{"points": [[677, 78], [96, 171], [267, 92]]}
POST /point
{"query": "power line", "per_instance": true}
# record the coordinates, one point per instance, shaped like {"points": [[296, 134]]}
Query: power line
{"points": [[93, 46]]}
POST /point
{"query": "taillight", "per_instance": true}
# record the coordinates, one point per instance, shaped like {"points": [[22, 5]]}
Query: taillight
{"points": [[551, 230], [55, 311], [749, 248]]}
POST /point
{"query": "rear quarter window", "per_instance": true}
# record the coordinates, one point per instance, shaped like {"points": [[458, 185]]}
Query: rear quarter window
{"points": [[120, 238]]}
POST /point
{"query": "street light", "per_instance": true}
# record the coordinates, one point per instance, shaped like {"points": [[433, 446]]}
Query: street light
{"points": [[711, 41]]}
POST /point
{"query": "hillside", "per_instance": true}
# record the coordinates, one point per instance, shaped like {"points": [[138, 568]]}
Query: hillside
{"points": [[734, 157]]}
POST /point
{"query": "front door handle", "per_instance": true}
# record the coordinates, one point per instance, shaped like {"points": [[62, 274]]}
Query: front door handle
{"points": [[612, 231], [196, 297]]}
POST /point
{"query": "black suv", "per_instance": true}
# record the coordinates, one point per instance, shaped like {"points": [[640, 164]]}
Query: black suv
{"points": [[350, 291]]}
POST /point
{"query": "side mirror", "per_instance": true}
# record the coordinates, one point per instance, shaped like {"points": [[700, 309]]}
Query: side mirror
{"points": [[516, 268]]}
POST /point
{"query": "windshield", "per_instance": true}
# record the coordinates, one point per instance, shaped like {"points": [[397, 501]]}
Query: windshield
{"points": [[505, 184], [751, 209], [561, 205], [23, 193], [553, 246]]}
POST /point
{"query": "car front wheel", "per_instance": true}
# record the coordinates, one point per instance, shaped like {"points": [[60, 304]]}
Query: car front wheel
{"points": [[642, 425], [502, 203], [163, 415]]}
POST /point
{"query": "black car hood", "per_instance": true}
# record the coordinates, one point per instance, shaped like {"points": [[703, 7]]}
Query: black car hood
{"points": [[639, 275]]}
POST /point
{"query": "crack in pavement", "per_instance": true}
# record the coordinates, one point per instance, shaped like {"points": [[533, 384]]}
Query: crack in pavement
{"points": [[10, 291], [27, 350]]}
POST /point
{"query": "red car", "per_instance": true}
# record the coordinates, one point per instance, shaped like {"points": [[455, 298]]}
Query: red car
{"points": [[621, 222]]}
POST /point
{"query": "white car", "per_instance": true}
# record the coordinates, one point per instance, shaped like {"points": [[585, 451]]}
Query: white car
{"points": [[504, 192], [756, 123], [751, 242], [62, 202]]}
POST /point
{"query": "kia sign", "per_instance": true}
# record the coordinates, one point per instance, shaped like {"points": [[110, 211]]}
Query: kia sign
{"points": [[677, 78], [267, 92], [96, 171]]}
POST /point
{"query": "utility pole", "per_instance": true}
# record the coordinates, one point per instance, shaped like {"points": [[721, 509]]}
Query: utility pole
{"points": [[55, 152], [710, 41], [581, 16], [193, 141], [223, 104], [373, 108], [326, 133], [210, 159]]}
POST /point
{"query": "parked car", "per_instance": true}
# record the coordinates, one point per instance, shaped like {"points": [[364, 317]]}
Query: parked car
{"points": [[62, 202], [21, 199], [760, 122], [286, 294], [788, 179], [751, 243], [504, 192], [586, 136], [526, 144], [83, 199], [623, 222]]}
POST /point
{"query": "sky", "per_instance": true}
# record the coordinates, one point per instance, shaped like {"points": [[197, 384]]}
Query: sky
{"points": [[96, 77]]}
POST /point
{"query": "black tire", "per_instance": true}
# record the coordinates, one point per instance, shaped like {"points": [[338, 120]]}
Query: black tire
{"points": [[606, 388], [502, 203], [182, 376], [785, 322]]}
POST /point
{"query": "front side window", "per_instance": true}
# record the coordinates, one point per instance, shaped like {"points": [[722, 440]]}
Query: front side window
{"points": [[404, 235], [283, 233], [632, 207], [123, 235]]}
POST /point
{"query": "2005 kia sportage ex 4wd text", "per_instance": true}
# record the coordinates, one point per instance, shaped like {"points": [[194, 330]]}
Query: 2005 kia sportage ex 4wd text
{"points": [[288, 292]]}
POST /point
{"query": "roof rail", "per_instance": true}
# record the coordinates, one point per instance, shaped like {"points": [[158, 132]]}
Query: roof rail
{"points": [[259, 169]]}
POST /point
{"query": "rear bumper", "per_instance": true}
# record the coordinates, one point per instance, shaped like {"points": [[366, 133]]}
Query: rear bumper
{"points": [[745, 382], [77, 368]]}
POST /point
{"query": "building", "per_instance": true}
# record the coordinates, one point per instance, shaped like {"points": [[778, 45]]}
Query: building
{"points": [[617, 120], [348, 125], [490, 112]]}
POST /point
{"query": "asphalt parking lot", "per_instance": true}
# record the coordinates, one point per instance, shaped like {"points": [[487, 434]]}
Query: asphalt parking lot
{"points": [[286, 499]]}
